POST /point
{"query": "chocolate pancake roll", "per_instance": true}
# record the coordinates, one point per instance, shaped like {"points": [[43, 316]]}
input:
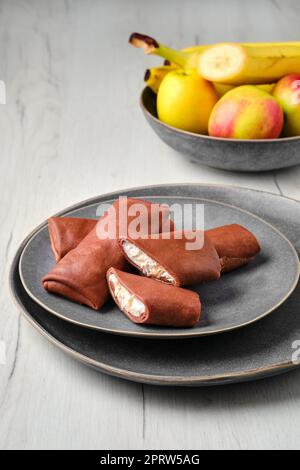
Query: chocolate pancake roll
{"points": [[146, 301], [81, 274], [67, 232], [235, 245], [172, 260]]}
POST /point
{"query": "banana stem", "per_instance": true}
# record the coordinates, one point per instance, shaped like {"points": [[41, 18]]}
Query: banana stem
{"points": [[151, 46], [176, 57]]}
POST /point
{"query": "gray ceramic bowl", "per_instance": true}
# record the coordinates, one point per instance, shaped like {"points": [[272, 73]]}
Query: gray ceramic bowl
{"points": [[226, 154]]}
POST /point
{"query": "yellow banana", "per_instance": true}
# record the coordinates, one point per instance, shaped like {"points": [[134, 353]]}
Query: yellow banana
{"points": [[221, 89], [235, 64], [154, 76], [268, 87], [229, 63]]}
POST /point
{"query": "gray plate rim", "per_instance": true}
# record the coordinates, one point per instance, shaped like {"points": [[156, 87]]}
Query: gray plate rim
{"points": [[160, 334], [218, 379], [252, 374]]}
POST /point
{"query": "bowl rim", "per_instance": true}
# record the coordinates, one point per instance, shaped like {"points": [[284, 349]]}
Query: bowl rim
{"points": [[208, 137]]}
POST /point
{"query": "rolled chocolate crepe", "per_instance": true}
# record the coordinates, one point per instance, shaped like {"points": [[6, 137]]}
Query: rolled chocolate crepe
{"points": [[81, 274], [235, 245], [171, 260], [146, 301], [67, 232]]}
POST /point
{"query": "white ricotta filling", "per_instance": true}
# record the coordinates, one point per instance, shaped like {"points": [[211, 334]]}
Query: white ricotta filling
{"points": [[147, 265], [125, 299]]}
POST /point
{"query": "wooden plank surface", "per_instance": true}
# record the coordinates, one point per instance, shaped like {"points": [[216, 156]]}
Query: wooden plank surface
{"points": [[72, 129]]}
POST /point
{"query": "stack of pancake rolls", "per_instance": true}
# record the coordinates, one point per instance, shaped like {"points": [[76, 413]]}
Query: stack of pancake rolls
{"points": [[146, 274]]}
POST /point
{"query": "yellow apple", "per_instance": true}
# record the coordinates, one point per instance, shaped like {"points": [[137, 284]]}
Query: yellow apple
{"points": [[185, 101]]}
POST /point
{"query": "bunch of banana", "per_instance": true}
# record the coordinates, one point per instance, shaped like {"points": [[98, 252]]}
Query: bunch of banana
{"points": [[154, 76], [229, 63]]}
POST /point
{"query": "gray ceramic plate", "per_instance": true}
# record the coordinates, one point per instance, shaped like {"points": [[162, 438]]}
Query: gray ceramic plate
{"points": [[227, 154], [261, 350], [237, 299]]}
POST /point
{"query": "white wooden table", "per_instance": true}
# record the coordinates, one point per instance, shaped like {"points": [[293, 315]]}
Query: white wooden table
{"points": [[72, 129]]}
